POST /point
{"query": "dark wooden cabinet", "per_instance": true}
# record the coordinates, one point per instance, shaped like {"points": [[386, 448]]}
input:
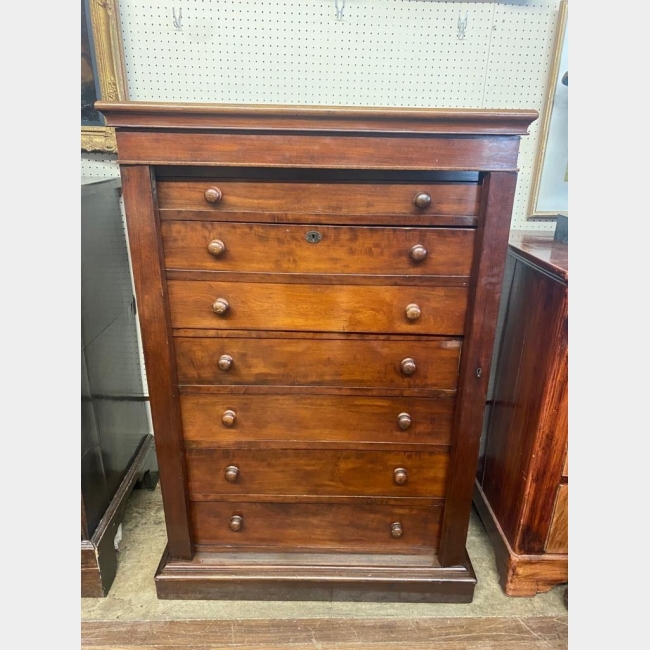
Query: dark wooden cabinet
{"points": [[318, 291], [116, 444], [522, 485]]}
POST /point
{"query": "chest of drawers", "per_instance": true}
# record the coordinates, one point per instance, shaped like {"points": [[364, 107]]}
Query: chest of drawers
{"points": [[318, 290]]}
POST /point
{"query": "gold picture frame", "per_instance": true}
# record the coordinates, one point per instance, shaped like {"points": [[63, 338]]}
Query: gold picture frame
{"points": [[110, 69], [551, 118]]}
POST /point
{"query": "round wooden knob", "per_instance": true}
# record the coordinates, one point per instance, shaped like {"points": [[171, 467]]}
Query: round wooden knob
{"points": [[396, 529], [422, 200], [228, 418], [216, 247], [404, 421], [408, 366], [231, 474], [220, 306], [213, 195], [236, 522], [225, 361], [413, 311], [418, 253], [400, 476]]}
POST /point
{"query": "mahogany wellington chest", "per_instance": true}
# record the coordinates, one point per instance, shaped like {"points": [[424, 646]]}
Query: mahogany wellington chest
{"points": [[318, 291]]}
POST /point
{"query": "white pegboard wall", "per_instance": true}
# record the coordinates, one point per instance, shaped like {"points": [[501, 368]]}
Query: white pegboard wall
{"points": [[382, 53], [99, 165], [521, 54]]}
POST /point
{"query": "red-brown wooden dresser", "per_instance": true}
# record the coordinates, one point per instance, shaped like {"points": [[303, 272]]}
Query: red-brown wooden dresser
{"points": [[522, 487], [318, 290]]}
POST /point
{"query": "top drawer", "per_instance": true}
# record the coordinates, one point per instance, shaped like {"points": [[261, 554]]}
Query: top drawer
{"points": [[226, 196]]}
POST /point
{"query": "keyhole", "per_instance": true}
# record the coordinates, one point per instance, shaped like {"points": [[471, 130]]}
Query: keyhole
{"points": [[313, 237]]}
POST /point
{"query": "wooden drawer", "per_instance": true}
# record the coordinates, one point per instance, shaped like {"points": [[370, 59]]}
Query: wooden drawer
{"points": [[351, 527], [237, 420], [315, 472], [319, 198], [341, 362], [317, 307], [273, 248]]}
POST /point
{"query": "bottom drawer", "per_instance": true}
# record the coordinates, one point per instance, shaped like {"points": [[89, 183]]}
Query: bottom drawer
{"points": [[362, 527]]}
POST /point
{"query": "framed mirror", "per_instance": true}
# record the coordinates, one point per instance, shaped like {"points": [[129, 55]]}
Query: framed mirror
{"points": [[103, 72], [549, 194]]}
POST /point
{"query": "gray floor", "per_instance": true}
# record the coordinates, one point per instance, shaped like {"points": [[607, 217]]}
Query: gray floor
{"points": [[133, 594]]}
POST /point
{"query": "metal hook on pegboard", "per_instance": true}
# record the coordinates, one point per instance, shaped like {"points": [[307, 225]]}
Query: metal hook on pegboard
{"points": [[177, 20], [462, 25], [339, 11]]}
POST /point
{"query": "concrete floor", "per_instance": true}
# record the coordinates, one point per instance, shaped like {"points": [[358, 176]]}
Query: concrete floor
{"points": [[133, 594]]}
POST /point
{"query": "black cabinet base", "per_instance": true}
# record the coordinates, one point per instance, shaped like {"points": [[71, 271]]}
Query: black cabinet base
{"points": [[98, 554]]}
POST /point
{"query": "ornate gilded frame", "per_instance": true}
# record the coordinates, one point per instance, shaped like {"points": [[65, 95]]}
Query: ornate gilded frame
{"points": [[111, 70], [538, 168]]}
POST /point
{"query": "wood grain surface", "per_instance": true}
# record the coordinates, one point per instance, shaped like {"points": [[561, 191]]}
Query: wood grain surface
{"points": [[160, 362], [317, 308], [345, 527], [258, 196], [443, 633], [270, 248], [558, 534], [488, 153], [260, 419], [315, 472], [340, 363]]}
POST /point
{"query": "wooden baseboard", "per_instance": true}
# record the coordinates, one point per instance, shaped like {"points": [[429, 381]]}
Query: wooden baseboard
{"points": [[98, 554], [287, 576], [520, 575]]}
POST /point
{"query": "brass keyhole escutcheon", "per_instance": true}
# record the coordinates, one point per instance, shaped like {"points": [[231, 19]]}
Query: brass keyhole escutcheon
{"points": [[313, 236]]}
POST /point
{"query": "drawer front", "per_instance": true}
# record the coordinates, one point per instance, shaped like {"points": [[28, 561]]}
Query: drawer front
{"points": [[220, 419], [315, 472], [317, 307], [319, 198], [271, 248], [344, 362], [335, 527]]}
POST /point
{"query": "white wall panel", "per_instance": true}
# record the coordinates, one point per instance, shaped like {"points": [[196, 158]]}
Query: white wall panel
{"points": [[382, 53]]}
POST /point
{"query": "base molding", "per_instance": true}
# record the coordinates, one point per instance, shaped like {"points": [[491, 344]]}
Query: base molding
{"points": [[519, 575], [98, 554], [276, 576]]}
